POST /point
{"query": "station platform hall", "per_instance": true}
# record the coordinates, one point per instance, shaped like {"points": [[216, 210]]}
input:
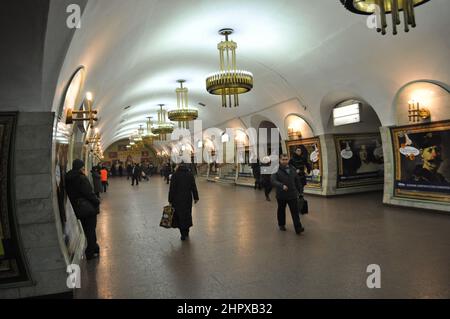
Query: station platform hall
{"points": [[225, 150]]}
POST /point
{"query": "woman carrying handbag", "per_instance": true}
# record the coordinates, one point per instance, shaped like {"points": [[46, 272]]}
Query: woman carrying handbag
{"points": [[182, 191]]}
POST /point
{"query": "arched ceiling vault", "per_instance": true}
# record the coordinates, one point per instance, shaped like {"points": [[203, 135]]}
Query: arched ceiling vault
{"points": [[134, 51]]}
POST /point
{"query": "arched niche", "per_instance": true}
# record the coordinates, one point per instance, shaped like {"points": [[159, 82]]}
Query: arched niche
{"points": [[269, 125], [370, 121], [432, 95], [297, 128]]}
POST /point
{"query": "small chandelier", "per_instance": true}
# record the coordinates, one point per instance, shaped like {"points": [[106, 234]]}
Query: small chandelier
{"points": [[162, 127], [229, 82], [148, 138], [383, 7], [183, 114]]}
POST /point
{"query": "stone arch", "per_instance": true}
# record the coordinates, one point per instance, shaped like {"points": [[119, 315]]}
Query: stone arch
{"points": [[433, 95], [370, 119]]}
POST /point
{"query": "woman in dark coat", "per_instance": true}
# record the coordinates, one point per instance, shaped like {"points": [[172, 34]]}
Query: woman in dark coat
{"points": [[182, 190], [300, 161], [96, 180]]}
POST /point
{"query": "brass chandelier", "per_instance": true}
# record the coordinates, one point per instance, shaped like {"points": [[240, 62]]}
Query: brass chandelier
{"points": [[162, 127], [383, 7], [149, 137], [183, 114], [229, 82]]}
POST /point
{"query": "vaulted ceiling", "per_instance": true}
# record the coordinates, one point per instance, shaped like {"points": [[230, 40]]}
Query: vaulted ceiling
{"points": [[135, 50]]}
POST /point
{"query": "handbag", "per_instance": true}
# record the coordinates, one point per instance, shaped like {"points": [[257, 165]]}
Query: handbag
{"points": [[167, 216], [85, 209], [303, 205]]}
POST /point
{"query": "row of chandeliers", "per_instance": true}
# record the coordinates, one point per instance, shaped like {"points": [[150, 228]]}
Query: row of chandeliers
{"points": [[229, 82]]}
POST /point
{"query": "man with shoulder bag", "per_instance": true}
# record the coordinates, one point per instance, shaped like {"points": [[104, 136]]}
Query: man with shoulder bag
{"points": [[85, 204]]}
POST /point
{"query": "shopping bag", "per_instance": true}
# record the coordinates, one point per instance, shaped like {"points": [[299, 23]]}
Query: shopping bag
{"points": [[167, 217], [302, 205]]}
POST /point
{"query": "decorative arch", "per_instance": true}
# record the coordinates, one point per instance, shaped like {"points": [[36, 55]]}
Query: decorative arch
{"points": [[433, 95], [297, 123], [370, 119]]}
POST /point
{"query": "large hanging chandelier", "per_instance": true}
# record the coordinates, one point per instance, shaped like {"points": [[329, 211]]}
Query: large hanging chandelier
{"points": [[162, 127], [229, 82], [183, 114], [383, 7]]}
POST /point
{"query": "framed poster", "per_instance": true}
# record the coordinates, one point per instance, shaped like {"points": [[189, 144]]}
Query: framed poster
{"points": [[310, 146], [13, 269], [360, 160], [422, 161]]}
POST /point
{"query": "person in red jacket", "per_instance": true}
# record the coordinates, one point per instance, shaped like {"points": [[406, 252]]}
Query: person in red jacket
{"points": [[104, 178]]}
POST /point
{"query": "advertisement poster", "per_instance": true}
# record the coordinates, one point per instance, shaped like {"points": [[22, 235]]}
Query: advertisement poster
{"points": [[422, 161], [12, 266], [360, 160]]}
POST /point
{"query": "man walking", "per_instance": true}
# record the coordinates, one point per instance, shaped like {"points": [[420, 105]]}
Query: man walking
{"points": [[289, 187], [136, 174]]}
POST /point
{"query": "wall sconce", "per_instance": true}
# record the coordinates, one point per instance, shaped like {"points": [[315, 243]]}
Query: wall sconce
{"points": [[416, 113], [80, 114], [294, 133]]}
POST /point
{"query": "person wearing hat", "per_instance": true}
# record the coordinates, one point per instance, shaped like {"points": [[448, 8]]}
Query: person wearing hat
{"points": [[85, 204], [430, 151]]}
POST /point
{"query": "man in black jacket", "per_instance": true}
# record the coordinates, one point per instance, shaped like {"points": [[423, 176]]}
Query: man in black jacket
{"points": [[78, 189], [136, 174], [289, 187]]}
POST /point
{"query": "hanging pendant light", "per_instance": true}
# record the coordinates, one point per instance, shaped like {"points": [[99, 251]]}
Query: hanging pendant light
{"points": [[183, 114], [229, 82], [383, 7], [162, 128]]}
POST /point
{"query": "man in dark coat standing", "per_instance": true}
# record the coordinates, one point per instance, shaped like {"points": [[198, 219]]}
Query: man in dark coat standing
{"points": [[182, 190], [96, 180], [136, 174], [289, 188], [79, 188], [129, 170], [256, 170]]}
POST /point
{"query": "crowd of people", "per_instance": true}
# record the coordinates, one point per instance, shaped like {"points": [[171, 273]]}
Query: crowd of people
{"points": [[289, 181]]}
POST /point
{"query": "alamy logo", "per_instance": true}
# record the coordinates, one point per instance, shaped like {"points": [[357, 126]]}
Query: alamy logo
{"points": [[73, 278], [373, 22], [374, 279], [74, 19]]}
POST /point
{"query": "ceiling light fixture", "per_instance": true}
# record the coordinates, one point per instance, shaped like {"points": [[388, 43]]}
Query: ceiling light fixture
{"points": [[183, 114], [383, 7], [162, 127], [229, 82]]}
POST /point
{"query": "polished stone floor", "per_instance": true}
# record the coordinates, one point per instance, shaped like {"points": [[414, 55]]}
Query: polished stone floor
{"points": [[237, 251]]}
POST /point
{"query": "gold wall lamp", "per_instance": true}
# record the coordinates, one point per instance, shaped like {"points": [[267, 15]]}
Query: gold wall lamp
{"points": [[417, 113], [294, 133], [90, 113]]}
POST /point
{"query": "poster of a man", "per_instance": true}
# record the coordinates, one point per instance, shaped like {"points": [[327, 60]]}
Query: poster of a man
{"points": [[431, 153], [422, 168], [360, 159]]}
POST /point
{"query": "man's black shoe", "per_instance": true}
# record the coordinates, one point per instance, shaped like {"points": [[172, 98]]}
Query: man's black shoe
{"points": [[283, 228], [299, 230]]}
